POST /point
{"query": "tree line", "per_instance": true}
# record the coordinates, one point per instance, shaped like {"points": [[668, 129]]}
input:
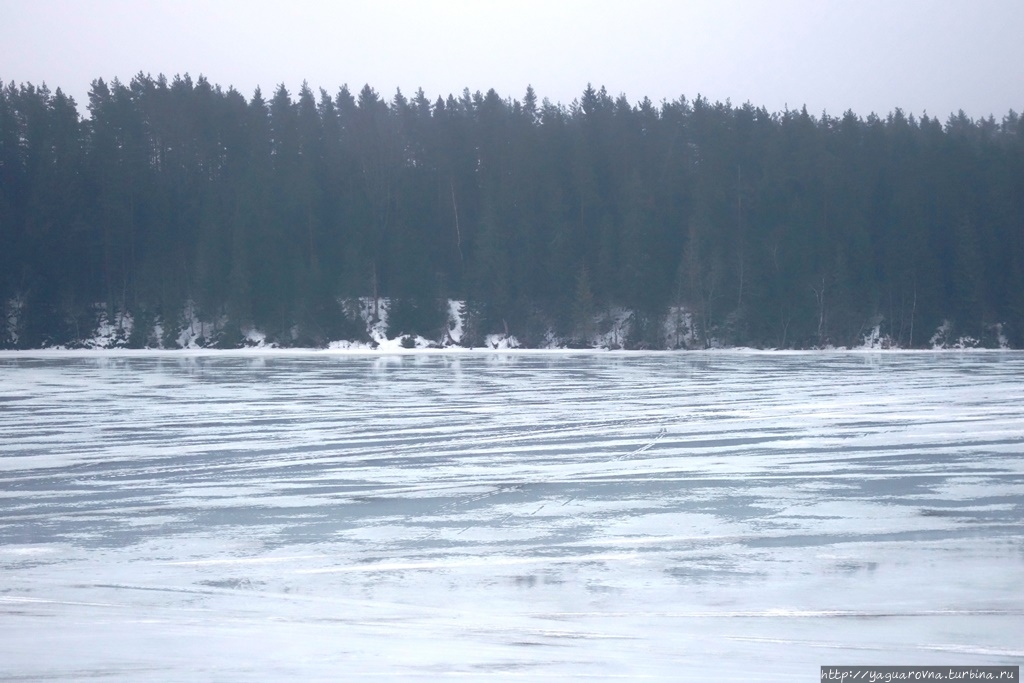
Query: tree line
{"points": [[782, 230]]}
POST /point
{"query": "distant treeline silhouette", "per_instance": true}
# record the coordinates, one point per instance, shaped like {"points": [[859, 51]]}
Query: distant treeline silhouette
{"points": [[770, 229]]}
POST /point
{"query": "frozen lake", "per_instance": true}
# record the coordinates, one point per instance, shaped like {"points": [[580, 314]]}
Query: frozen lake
{"points": [[747, 516]]}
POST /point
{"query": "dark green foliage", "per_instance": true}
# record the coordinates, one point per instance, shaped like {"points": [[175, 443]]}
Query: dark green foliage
{"points": [[645, 332], [474, 324], [423, 316], [142, 334], [583, 310], [777, 230]]}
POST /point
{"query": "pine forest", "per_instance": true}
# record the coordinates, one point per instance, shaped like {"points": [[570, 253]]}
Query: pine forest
{"points": [[692, 223]]}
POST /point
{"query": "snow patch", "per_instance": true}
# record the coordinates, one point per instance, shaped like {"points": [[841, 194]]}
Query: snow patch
{"points": [[110, 333], [407, 342], [198, 333], [374, 314], [501, 342], [256, 339], [12, 317], [158, 332], [550, 341], [679, 329], [346, 345], [1000, 334], [194, 331], [940, 339], [943, 339], [876, 341], [616, 325], [456, 314]]}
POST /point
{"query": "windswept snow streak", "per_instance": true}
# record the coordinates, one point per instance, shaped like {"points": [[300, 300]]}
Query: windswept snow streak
{"points": [[274, 517]]}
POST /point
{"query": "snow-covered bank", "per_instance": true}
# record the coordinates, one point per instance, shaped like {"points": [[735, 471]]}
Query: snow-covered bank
{"points": [[456, 351], [611, 330]]}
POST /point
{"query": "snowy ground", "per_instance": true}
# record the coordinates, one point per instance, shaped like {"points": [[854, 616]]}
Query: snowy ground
{"points": [[728, 515]]}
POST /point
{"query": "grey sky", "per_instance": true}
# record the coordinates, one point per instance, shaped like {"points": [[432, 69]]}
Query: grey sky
{"points": [[867, 55]]}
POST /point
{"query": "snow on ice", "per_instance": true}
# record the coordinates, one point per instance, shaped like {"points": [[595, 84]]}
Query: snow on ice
{"points": [[270, 515]]}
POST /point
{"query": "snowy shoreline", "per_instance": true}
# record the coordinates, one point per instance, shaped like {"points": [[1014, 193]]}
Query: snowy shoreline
{"points": [[608, 335], [461, 351]]}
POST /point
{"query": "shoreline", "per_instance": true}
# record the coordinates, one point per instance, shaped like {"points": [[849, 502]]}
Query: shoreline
{"points": [[459, 351]]}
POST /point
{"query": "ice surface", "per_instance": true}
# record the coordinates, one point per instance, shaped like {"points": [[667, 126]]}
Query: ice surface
{"points": [[698, 516]]}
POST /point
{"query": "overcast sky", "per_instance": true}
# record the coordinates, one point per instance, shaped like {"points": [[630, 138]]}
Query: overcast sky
{"points": [[934, 56]]}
